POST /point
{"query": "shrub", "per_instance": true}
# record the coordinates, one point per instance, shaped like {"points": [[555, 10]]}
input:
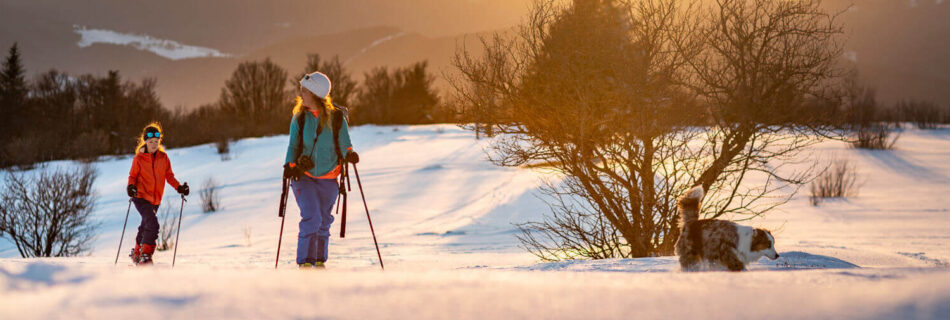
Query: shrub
{"points": [[224, 148], [88, 145], [21, 152], [838, 180], [209, 196], [49, 213], [169, 223], [877, 136]]}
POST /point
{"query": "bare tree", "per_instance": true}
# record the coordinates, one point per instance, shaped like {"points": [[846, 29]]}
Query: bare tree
{"points": [[49, 213], [924, 114], [255, 96], [403, 96], [635, 102]]}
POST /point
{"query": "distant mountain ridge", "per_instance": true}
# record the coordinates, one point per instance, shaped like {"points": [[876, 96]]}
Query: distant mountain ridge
{"points": [[250, 30]]}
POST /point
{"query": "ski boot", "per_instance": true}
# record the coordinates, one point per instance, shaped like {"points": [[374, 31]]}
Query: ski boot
{"points": [[314, 265], [136, 253], [145, 257]]}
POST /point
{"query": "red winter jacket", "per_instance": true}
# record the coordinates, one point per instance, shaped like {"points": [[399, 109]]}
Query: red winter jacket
{"points": [[149, 173]]}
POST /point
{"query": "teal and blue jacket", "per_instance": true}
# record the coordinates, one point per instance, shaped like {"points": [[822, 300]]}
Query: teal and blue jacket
{"points": [[324, 158]]}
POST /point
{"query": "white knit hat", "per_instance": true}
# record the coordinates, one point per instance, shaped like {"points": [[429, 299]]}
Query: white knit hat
{"points": [[317, 83]]}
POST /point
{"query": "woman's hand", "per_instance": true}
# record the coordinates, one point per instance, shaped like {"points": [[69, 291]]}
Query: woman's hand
{"points": [[132, 190], [352, 157], [291, 172]]}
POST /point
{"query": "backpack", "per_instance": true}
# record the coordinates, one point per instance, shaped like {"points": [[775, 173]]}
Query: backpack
{"points": [[338, 115]]}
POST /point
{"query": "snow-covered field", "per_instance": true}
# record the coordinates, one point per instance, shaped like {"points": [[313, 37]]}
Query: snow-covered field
{"points": [[443, 216]]}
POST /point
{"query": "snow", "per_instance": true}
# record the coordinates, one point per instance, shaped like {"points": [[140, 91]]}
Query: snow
{"points": [[166, 48], [444, 218]]}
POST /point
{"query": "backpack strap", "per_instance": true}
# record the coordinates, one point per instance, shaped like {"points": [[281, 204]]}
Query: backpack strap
{"points": [[337, 124], [339, 114], [301, 122], [344, 110]]}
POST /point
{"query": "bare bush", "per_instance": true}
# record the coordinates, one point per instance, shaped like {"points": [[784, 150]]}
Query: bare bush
{"points": [[224, 148], [88, 146], [209, 196], [49, 213], [875, 136], [168, 220], [838, 180], [21, 152]]}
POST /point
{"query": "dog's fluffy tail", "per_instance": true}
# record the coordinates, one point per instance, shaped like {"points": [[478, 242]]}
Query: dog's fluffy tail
{"points": [[689, 205]]}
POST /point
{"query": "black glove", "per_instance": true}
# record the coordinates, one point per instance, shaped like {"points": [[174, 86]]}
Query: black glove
{"points": [[291, 172], [132, 190], [183, 189], [352, 157]]}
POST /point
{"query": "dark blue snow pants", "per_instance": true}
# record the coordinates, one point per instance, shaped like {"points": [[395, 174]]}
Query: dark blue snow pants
{"points": [[315, 197], [148, 229]]}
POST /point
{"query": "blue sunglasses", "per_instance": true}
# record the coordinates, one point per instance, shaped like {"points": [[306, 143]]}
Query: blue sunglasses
{"points": [[153, 135]]}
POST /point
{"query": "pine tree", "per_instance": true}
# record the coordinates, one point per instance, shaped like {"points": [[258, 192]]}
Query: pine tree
{"points": [[13, 93]]}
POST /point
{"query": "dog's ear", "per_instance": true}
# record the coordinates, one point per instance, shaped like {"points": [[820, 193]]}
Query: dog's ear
{"points": [[760, 241]]}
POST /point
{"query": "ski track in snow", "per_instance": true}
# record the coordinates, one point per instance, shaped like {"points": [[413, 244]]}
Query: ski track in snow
{"points": [[373, 45], [444, 220]]}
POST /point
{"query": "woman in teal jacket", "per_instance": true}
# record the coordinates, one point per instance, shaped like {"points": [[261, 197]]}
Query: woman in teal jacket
{"points": [[313, 164]]}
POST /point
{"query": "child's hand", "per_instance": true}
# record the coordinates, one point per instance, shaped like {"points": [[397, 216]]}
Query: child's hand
{"points": [[183, 189], [132, 190]]}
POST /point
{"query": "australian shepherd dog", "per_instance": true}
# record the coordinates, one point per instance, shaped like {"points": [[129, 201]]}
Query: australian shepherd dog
{"points": [[711, 242]]}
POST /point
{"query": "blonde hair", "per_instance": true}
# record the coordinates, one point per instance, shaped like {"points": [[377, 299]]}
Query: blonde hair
{"points": [[328, 107], [141, 138]]}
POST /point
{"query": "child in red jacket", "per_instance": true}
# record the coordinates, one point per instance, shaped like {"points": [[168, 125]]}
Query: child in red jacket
{"points": [[150, 170]]}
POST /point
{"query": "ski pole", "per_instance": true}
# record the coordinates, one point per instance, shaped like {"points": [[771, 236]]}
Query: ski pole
{"points": [[342, 193], [177, 233], [123, 232], [360, 184], [280, 212]]}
